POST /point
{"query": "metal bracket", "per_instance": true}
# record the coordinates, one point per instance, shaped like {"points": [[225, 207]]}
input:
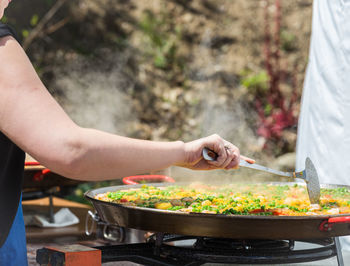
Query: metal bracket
{"points": [[95, 218], [110, 232]]}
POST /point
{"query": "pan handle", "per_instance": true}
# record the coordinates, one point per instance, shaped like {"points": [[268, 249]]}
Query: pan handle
{"points": [[327, 225], [134, 180]]}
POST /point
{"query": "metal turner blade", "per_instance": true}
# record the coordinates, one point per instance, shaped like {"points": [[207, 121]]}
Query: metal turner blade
{"points": [[309, 175]]}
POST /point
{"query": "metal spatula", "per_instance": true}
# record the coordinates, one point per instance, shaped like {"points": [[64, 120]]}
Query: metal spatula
{"points": [[309, 175]]}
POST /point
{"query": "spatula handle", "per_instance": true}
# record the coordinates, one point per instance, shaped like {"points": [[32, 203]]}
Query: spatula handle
{"points": [[210, 155]]}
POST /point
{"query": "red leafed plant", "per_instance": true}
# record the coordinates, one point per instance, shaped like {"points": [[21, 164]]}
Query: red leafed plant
{"points": [[275, 111]]}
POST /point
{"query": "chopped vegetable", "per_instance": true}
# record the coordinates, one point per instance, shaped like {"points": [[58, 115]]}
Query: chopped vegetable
{"points": [[234, 199]]}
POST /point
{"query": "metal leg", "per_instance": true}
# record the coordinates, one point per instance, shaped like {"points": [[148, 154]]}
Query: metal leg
{"points": [[291, 244], [51, 216], [158, 243], [339, 253]]}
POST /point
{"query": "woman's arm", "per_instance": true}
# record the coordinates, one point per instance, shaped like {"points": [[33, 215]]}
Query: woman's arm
{"points": [[33, 120]]}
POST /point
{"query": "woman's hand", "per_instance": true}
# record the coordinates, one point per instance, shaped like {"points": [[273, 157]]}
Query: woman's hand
{"points": [[228, 154]]}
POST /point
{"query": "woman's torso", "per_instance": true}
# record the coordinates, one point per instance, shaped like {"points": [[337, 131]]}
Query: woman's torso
{"points": [[11, 172]]}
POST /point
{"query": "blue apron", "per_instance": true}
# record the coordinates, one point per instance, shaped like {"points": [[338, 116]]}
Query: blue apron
{"points": [[14, 250]]}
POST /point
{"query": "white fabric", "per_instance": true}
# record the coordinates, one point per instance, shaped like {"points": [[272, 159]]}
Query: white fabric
{"points": [[324, 123], [64, 217]]}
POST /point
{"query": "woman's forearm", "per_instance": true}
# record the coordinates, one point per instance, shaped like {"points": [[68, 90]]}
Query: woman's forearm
{"points": [[98, 155]]}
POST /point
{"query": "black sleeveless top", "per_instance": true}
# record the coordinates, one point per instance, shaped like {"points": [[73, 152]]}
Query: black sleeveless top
{"points": [[11, 172]]}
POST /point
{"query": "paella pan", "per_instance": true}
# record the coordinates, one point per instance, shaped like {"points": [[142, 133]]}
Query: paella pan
{"points": [[227, 224]]}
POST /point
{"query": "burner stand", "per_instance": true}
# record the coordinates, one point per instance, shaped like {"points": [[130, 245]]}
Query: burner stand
{"points": [[171, 250], [163, 249]]}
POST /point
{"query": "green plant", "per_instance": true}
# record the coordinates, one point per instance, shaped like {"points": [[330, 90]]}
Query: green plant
{"points": [[161, 39], [255, 83], [25, 33], [4, 19], [288, 41], [34, 20], [276, 108]]}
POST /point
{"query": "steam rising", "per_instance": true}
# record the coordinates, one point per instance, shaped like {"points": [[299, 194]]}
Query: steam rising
{"points": [[217, 115], [95, 93]]}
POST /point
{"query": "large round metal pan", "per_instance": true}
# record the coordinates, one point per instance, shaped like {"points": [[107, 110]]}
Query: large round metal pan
{"points": [[219, 225]]}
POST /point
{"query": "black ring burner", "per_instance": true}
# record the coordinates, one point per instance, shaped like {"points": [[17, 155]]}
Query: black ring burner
{"points": [[163, 249]]}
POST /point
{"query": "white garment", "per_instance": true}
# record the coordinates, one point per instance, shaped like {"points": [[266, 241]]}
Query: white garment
{"points": [[324, 123]]}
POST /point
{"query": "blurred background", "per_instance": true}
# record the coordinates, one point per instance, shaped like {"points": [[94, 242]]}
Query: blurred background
{"points": [[176, 69]]}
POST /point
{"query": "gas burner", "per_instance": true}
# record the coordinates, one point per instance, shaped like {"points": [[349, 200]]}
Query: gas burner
{"points": [[163, 249], [242, 245], [170, 250]]}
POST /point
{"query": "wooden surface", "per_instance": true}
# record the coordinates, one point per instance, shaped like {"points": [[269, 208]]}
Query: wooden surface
{"points": [[58, 202]]}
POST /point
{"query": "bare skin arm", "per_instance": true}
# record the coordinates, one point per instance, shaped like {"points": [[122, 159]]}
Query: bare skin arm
{"points": [[32, 119]]}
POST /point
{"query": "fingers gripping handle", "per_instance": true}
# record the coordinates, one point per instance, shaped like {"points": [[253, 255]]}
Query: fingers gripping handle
{"points": [[209, 155]]}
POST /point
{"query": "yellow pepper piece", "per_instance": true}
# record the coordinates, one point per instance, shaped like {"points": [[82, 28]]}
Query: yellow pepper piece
{"points": [[163, 205], [206, 203]]}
